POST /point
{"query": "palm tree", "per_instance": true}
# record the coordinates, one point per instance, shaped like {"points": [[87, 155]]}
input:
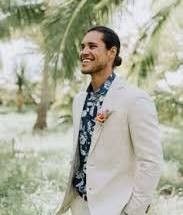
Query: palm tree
{"points": [[63, 29], [20, 82], [41, 121], [65, 24], [18, 16]]}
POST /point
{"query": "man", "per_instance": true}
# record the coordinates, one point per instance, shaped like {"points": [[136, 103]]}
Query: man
{"points": [[117, 151]]}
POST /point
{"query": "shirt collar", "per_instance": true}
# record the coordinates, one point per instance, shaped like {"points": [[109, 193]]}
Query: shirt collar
{"points": [[104, 87]]}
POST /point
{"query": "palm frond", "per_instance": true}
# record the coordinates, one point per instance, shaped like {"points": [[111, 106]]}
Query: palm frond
{"points": [[147, 45], [19, 16], [145, 66], [163, 15]]}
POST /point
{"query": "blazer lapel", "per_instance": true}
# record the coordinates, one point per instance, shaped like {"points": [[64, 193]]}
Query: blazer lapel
{"points": [[79, 108], [107, 105]]}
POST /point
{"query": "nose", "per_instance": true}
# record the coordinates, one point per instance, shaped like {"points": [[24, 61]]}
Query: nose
{"points": [[84, 53], [85, 50]]}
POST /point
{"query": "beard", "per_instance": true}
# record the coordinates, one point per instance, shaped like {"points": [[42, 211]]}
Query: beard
{"points": [[92, 69], [86, 72]]}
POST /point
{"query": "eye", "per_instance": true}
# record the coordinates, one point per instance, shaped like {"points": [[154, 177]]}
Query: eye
{"points": [[92, 46], [82, 47]]}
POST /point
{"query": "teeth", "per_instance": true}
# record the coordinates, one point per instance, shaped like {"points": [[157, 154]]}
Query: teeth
{"points": [[86, 60]]}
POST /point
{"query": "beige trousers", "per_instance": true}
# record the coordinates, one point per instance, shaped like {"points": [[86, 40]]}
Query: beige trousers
{"points": [[79, 207]]}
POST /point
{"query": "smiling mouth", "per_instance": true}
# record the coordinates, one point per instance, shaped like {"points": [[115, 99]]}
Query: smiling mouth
{"points": [[86, 61]]}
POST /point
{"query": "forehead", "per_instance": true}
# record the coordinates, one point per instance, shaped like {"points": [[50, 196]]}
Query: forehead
{"points": [[93, 37]]}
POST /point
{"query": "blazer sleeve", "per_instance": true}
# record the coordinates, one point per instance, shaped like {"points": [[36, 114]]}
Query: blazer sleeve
{"points": [[145, 136]]}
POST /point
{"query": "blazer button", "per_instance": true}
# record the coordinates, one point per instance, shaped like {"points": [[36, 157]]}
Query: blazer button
{"points": [[91, 190]]}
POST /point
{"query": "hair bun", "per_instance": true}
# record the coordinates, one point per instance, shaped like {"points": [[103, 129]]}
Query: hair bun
{"points": [[118, 61]]}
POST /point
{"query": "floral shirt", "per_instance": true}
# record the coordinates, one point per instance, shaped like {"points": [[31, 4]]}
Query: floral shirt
{"points": [[92, 105]]}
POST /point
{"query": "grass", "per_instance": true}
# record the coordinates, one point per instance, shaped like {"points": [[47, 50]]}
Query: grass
{"points": [[174, 149], [34, 168], [172, 178], [30, 182]]}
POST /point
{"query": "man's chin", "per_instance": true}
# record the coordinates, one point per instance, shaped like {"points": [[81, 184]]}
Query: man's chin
{"points": [[86, 71]]}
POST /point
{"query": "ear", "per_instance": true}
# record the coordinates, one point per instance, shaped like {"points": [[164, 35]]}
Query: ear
{"points": [[113, 52]]}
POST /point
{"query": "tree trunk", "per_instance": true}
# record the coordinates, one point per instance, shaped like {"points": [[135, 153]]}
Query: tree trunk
{"points": [[20, 100], [41, 121]]}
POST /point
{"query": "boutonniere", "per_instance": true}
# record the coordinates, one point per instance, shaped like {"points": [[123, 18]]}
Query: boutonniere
{"points": [[102, 116]]}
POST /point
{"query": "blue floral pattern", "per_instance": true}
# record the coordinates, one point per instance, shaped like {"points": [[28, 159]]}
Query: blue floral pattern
{"points": [[92, 105]]}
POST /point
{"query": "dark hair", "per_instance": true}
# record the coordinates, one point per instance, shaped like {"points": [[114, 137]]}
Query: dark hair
{"points": [[110, 39]]}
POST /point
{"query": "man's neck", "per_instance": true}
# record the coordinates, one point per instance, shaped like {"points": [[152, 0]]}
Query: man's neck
{"points": [[97, 79]]}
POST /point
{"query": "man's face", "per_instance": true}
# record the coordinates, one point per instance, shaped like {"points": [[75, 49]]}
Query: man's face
{"points": [[94, 56]]}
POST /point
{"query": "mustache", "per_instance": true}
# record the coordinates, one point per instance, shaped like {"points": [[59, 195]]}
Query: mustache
{"points": [[85, 56]]}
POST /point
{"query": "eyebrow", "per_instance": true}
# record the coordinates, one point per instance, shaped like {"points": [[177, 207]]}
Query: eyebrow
{"points": [[90, 43]]}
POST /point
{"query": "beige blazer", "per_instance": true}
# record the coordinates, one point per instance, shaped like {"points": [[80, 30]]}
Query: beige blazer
{"points": [[125, 157]]}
